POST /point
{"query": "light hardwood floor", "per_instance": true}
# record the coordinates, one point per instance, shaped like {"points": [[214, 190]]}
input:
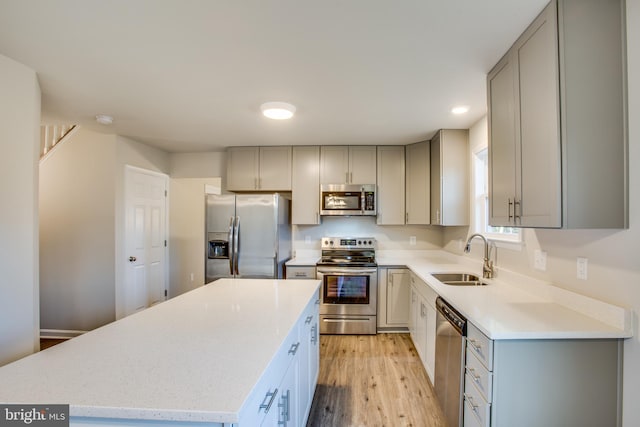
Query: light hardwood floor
{"points": [[372, 380]]}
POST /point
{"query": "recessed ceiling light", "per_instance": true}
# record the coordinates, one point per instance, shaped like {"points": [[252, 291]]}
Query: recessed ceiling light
{"points": [[103, 119], [278, 110], [460, 109]]}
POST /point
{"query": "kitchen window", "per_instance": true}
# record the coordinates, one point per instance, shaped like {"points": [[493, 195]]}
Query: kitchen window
{"points": [[481, 203]]}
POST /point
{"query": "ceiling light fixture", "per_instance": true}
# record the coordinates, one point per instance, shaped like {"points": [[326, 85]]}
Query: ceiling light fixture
{"points": [[278, 110], [103, 119], [461, 109]]}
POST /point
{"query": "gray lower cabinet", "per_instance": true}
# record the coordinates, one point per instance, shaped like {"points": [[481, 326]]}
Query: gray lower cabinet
{"points": [[300, 272], [393, 299], [422, 322], [532, 383]]}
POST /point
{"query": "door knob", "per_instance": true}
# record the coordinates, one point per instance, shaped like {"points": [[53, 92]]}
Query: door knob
{"points": [[132, 259]]}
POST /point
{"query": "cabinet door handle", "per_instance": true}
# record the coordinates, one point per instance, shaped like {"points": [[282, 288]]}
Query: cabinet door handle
{"points": [[350, 177], [473, 374], [308, 320], [474, 343], [314, 334], [469, 399], [271, 395], [517, 203], [510, 203], [346, 177], [285, 405], [294, 349]]}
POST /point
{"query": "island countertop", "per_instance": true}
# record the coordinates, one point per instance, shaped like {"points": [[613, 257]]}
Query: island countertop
{"points": [[195, 357]]}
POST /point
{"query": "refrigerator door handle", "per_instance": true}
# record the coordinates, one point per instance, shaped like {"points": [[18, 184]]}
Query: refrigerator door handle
{"points": [[231, 247], [236, 246]]}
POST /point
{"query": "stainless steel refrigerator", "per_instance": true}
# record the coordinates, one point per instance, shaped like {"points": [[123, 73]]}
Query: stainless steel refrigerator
{"points": [[247, 235]]}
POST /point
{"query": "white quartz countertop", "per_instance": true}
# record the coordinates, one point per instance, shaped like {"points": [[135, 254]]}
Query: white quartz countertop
{"points": [[513, 306], [195, 357], [507, 308]]}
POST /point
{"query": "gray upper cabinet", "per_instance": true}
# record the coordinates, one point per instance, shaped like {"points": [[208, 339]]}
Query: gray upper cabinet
{"points": [[347, 164], [305, 191], [450, 177], [557, 121], [391, 185], [259, 168], [418, 183]]}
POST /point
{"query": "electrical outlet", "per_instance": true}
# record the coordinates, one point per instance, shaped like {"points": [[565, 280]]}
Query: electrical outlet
{"points": [[582, 265], [540, 260], [191, 277], [307, 240], [412, 240]]}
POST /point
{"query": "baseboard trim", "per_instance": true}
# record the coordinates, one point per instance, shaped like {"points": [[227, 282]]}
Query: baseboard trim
{"points": [[59, 333]]}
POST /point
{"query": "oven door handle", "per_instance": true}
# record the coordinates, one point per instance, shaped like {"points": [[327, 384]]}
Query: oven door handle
{"points": [[347, 271]]}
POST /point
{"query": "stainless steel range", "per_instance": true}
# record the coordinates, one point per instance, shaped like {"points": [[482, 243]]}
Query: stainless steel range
{"points": [[349, 275]]}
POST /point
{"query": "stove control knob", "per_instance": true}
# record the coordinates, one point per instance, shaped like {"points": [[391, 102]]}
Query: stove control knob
{"points": [[359, 242], [331, 242]]}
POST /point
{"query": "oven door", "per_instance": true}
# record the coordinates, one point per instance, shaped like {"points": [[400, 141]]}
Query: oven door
{"points": [[348, 290]]}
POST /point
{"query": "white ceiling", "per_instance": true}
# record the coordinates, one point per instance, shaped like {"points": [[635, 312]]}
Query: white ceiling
{"points": [[190, 75]]}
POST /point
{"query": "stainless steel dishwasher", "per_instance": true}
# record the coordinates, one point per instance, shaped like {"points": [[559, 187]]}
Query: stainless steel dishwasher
{"points": [[451, 329]]}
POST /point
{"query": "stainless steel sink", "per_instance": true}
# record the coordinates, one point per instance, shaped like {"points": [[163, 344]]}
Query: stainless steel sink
{"points": [[459, 279]]}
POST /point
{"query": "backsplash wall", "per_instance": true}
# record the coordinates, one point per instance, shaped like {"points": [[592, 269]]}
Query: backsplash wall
{"points": [[387, 236]]}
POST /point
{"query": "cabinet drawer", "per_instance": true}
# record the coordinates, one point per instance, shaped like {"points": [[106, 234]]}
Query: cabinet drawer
{"points": [[470, 418], [481, 378], [301, 272], [475, 405], [264, 398], [480, 345]]}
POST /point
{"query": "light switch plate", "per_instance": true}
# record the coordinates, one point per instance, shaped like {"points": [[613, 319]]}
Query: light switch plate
{"points": [[412, 240], [540, 260], [582, 265], [307, 240]]}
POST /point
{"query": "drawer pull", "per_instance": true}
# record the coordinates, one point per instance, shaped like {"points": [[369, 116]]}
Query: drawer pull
{"points": [[294, 348], [475, 344], [308, 320], [469, 399], [271, 395], [475, 377], [300, 274]]}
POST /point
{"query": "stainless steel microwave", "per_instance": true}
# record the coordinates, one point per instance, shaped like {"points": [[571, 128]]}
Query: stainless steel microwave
{"points": [[348, 199]]}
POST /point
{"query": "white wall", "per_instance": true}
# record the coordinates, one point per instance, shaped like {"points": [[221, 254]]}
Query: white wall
{"points": [[82, 193], [199, 165], [614, 265], [388, 236], [187, 233], [190, 172], [19, 145], [77, 228]]}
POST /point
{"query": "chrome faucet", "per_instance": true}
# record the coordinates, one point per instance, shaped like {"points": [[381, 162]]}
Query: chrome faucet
{"points": [[487, 265]]}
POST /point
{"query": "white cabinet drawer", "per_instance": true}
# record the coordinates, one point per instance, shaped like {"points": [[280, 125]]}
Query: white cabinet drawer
{"points": [[480, 376], [470, 418], [301, 272], [264, 398], [474, 404], [480, 345]]}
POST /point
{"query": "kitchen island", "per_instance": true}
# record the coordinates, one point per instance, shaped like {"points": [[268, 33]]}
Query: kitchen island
{"points": [[233, 352]]}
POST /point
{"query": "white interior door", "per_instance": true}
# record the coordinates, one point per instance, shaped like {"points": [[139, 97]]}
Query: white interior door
{"points": [[145, 239]]}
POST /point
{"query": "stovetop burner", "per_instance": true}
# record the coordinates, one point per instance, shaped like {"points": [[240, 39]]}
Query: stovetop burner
{"points": [[348, 252]]}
